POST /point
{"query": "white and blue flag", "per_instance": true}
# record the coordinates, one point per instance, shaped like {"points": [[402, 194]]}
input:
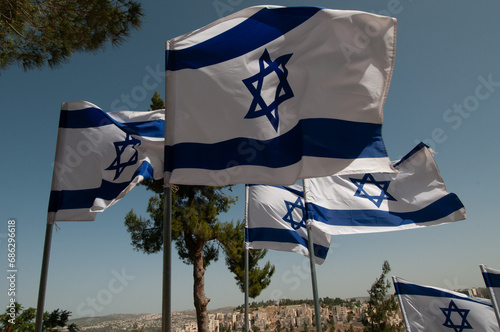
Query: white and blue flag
{"points": [[276, 220], [413, 197], [100, 157], [273, 94], [492, 280], [426, 308]]}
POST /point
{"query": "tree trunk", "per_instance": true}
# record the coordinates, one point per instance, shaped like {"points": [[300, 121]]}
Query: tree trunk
{"points": [[200, 301]]}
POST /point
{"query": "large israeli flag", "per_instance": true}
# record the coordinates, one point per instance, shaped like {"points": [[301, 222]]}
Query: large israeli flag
{"points": [[272, 94], [413, 197], [276, 220], [100, 157], [426, 308]]}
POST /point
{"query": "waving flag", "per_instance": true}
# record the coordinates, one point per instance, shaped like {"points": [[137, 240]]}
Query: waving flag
{"points": [[492, 281], [276, 220], [413, 197], [434, 309], [100, 157], [272, 94]]}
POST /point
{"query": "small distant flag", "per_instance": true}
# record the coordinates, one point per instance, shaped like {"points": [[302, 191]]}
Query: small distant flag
{"points": [[100, 157], [273, 94], [413, 197], [276, 220], [426, 308], [492, 281]]}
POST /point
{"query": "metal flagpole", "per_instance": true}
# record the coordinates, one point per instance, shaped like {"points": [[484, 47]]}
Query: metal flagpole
{"points": [[166, 316], [246, 289], [313, 277], [317, 309], [43, 277], [492, 295], [166, 321], [246, 262]]}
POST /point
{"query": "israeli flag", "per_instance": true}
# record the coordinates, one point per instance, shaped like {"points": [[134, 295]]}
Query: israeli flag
{"points": [[426, 308], [100, 157], [413, 197], [276, 220], [273, 94], [492, 280]]}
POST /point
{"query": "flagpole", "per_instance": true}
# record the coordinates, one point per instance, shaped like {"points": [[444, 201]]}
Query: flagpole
{"points": [[166, 319], [43, 277], [403, 312], [246, 262], [166, 322], [492, 295], [246, 289], [317, 309]]}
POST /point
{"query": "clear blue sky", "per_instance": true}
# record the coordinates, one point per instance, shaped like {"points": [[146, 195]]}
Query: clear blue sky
{"points": [[446, 53]]}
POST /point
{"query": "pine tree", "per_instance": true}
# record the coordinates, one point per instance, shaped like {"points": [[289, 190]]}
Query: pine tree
{"points": [[380, 307], [197, 233], [232, 236], [156, 102], [35, 33]]}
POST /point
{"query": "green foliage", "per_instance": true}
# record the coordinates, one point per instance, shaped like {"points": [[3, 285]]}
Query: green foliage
{"points": [[326, 301], [197, 233], [17, 319], [194, 221], [34, 33], [380, 307], [156, 102], [232, 237]]}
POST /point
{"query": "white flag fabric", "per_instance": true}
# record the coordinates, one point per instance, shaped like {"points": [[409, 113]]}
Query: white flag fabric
{"points": [[100, 157], [492, 280], [434, 309], [413, 197], [276, 220], [273, 94]]}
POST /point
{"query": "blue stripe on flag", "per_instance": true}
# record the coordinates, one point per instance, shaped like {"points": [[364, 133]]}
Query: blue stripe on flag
{"points": [[93, 117], [309, 138], [261, 28], [413, 289], [282, 236], [381, 218], [84, 198], [492, 279]]}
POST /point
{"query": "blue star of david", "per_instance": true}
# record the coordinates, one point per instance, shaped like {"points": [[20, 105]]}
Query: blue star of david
{"points": [[289, 217], [120, 147], [452, 307], [369, 179], [255, 84]]}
